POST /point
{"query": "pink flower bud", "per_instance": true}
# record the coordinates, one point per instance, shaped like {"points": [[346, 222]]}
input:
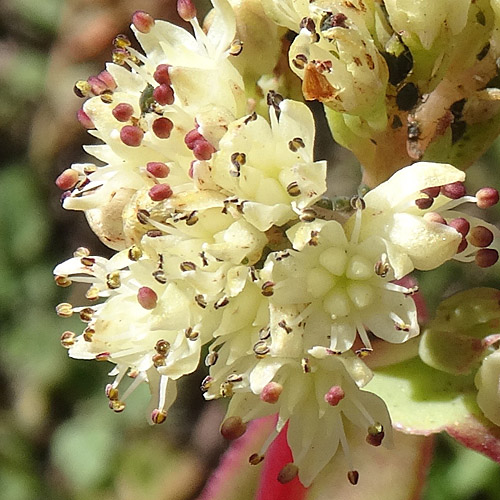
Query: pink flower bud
{"points": [[85, 119]]}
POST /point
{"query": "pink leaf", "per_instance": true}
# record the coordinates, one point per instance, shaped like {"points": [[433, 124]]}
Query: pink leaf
{"points": [[277, 456]]}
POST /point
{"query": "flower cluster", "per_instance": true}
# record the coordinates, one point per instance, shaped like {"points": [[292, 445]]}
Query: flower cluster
{"points": [[217, 215]]}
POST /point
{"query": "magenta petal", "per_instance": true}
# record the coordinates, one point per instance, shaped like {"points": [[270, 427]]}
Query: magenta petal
{"points": [[277, 456], [234, 472]]}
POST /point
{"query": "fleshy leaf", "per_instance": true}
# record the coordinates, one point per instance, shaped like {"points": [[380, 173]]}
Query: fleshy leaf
{"points": [[455, 340], [422, 400]]}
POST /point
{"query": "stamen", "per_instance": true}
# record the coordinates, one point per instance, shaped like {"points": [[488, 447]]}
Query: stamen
{"points": [[486, 257], [147, 297], [131, 135], [162, 127], [271, 392], [142, 21], [480, 236], [335, 395], [363, 335], [123, 112], [288, 473], [233, 428]]}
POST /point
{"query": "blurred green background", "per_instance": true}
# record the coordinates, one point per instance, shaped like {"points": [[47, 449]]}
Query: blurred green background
{"points": [[58, 439]]}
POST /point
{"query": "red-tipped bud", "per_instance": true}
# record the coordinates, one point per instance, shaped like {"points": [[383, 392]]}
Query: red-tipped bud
{"points": [[164, 94], [84, 119], [232, 428], [97, 86], [131, 135], [486, 257], [186, 10], [487, 197], [123, 112], [160, 192], [162, 127], [157, 169], [271, 392], [147, 297], [335, 395], [107, 79], [142, 21], [161, 74], [480, 236], [67, 180], [460, 225], [453, 190]]}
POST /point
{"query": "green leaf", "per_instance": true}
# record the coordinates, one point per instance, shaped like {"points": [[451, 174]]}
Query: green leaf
{"points": [[423, 400]]}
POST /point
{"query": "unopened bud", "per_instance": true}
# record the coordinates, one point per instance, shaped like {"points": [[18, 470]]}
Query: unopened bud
{"points": [[84, 119]]}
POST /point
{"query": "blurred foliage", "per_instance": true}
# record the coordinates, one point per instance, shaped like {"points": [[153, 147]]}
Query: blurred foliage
{"points": [[58, 438]]}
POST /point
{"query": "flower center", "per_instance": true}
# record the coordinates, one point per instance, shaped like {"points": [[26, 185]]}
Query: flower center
{"points": [[344, 281]]}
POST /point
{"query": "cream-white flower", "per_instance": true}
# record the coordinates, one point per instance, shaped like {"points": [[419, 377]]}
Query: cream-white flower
{"points": [[314, 394], [152, 324], [413, 214], [157, 120], [269, 167], [341, 288]]}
